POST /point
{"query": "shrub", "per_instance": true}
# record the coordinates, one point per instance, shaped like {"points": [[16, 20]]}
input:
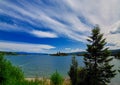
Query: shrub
{"points": [[9, 74], [56, 79]]}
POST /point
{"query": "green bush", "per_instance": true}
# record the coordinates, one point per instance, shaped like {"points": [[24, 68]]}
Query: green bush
{"points": [[11, 75], [56, 79]]}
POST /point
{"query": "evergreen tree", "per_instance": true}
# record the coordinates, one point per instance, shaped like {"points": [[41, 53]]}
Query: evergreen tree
{"points": [[81, 76], [73, 71], [99, 71], [9, 74]]}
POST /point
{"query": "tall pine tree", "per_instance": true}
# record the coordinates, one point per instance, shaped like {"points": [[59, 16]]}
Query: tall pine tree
{"points": [[73, 71], [97, 58]]}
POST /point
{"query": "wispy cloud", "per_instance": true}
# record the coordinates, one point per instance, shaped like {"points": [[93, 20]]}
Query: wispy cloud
{"points": [[24, 47], [115, 28], [42, 34], [47, 17], [74, 50], [103, 12], [64, 18]]}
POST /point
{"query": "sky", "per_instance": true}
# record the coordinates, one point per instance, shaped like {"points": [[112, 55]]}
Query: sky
{"points": [[49, 26]]}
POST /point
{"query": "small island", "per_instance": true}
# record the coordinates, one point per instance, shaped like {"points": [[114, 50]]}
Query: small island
{"points": [[59, 54]]}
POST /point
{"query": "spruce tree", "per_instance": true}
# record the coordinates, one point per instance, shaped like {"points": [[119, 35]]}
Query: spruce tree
{"points": [[73, 71], [97, 58]]}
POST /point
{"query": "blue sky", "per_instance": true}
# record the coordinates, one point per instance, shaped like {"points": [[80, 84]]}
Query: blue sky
{"points": [[48, 26]]}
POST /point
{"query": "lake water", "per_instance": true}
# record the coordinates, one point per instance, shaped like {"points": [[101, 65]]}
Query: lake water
{"points": [[45, 65]]}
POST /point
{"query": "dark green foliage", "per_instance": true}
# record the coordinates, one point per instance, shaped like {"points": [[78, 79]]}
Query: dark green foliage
{"points": [[11, 75], [99, 71], [73, 71], [119, 70], [117, 55], [56, 79], [81, 76], [59, 54]]}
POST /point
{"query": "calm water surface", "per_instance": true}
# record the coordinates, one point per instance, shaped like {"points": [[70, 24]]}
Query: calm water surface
{"points": [[45, 65]]}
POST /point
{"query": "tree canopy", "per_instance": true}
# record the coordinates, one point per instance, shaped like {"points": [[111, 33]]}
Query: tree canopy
{"points": [[97, 58]]}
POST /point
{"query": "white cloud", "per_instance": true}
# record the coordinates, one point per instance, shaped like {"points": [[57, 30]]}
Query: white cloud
{"points": [[62, 17], [115, 28], [102, 12], [115, 40], [73, 50], [67, 48], [8, 27], [43, 34], [106, 13], [24, 47], [112, 34], [45, 16]]}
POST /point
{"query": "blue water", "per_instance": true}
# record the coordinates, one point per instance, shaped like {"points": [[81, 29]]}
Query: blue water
{"points": [[45, 65]]}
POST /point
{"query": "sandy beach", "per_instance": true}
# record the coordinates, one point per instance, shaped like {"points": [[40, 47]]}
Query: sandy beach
{"points": [[47, 80]]}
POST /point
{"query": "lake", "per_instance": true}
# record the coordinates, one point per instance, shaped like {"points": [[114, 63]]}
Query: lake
{"points": [[45, 65]]}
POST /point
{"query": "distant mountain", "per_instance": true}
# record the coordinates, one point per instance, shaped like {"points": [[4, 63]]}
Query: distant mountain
{"points": [[113, 53], [116, 53], [22, 53], [77, 53], [25, 53]]}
